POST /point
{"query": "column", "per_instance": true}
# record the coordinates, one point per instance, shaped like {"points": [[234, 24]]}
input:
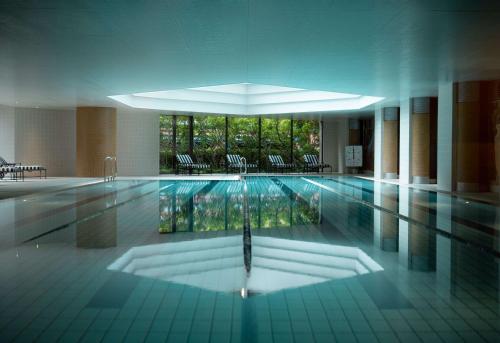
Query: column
{"points": [[445, 138], [390, 143], [95, 139], [494, 105], [476, 130], [405, 142], [378, 138], [342, 140], [423, 145], [468, 129]]}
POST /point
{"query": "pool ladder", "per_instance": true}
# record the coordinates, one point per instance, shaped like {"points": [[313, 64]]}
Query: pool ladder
{"points": [[110, 168]]}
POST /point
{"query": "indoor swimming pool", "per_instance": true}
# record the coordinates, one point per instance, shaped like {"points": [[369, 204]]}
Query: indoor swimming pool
{"points": [[265, 259]]}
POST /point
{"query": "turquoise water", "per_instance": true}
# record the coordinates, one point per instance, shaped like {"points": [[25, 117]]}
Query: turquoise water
{"points": [[299, 259]]}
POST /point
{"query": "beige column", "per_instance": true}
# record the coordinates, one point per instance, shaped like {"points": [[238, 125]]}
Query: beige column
{"points": [[423, 112], [494, 95], [475, 139], [390, 143], [468, 109], [95, 139]]}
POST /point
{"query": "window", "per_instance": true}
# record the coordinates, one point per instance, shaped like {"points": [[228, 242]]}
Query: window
{"points": [[243, 138], [204, 138], [166, 144], [209, 144], [276, 139], [305, 138], [182, 135]]}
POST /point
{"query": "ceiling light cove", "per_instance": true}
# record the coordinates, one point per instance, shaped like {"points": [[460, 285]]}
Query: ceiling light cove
{"points": [[246, 99]]}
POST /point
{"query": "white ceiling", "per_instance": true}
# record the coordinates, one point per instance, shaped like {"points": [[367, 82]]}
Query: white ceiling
{"points": [[59, 53]]}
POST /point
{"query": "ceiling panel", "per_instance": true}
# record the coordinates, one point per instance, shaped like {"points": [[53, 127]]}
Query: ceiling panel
{"points": [[67, 53]]}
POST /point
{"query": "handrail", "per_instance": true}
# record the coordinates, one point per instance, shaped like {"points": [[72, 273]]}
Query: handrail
{"points": [[243, 163], [113, 168]]}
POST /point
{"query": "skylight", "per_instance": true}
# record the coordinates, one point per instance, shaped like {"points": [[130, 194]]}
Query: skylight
{"points": [[246, 99]]}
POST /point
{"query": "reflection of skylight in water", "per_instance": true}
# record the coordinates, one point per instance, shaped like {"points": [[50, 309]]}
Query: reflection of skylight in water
{"points": [[217, 264], [246, 99]]}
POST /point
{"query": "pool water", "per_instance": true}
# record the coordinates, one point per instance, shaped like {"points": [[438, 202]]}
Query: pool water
{"points": [[267, 259]]}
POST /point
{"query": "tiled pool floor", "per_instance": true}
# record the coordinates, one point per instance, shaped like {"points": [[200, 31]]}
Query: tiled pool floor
{"points": [[59, 286]]}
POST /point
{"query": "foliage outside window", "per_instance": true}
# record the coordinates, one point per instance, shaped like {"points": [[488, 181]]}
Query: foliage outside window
{"points": [[209, 141], [305, 138], [275, 139], [166, 144], [243, 138], [209, 135], [183, 138]]}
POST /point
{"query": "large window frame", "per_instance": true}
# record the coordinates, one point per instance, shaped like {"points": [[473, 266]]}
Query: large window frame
{"points": [[288, 148]]}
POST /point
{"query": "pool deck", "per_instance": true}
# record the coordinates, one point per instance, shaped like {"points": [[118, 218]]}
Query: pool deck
{"points": [[489, 197], [13, 189]]}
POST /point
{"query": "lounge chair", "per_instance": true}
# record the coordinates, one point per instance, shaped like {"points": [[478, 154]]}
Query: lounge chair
{"points": [[311, 163], [235, 162], [15, 172], [278, 164], [19, 169], [186, 163]]}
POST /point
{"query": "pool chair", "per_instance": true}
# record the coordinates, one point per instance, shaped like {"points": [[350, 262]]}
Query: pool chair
{"points": [[311, 163], [15, 172], [186, 163], [235, 162], [22, 169], [277, 164]]}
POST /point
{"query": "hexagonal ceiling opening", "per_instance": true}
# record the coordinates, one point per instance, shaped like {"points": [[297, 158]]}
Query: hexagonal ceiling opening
{"points": [[246, 99]]}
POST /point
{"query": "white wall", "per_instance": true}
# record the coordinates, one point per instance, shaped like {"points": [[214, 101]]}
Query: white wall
{"points": [[7, 129], [335, 138], [47, 138], [138, 142]]}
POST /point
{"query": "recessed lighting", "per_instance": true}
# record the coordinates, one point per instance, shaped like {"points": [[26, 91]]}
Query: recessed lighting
{"points": [[246, 99]]}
